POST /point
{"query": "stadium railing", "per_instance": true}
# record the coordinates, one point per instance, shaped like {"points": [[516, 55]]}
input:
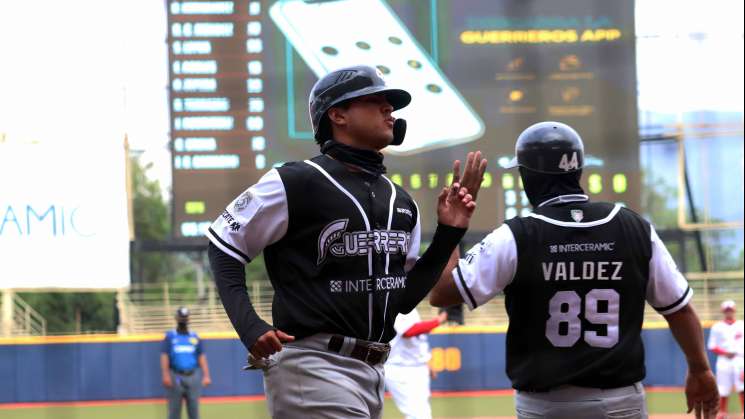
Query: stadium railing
{"points": [[151, 308], [19, 318]]}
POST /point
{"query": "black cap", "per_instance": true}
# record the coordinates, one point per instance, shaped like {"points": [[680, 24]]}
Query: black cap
{"points": [[182, 313], [349, 83], [549, 147]]}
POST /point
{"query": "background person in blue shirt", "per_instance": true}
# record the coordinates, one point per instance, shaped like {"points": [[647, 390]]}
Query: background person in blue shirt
{"points": [[181, 359]]}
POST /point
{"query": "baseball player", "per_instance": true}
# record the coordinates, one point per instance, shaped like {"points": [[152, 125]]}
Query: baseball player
{"points": [[726, 341], [407, 372], [340, 243], [181, 359], [575, 275]]}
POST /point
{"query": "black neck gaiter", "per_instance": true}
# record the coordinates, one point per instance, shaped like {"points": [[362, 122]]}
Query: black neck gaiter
{"points": [[368, 161], [182, 328], [540, 187]]}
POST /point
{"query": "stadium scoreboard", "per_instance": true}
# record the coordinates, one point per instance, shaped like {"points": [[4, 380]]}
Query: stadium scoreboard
{"points": [[241, 71]]}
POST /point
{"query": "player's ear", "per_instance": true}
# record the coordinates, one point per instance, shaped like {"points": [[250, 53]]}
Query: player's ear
{"points": [[337, 115]]}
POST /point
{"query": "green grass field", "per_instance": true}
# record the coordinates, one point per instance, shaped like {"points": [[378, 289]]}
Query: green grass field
{"points": [[443, 407]]}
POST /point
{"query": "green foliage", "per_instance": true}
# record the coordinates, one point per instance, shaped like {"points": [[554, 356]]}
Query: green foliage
{"points": [[75, 312], [659, 202], [151, 222], [151, 213]]}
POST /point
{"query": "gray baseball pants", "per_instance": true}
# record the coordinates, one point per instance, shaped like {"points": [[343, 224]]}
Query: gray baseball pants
{"points": [[571, 402], [187, 387], [305, 380]]}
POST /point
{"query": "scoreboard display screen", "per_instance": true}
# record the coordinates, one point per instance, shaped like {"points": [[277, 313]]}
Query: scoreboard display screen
{"points": [[479, 71]]}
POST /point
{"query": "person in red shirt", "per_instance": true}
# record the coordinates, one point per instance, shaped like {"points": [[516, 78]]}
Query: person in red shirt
{"points": [[407, 373], [726, 341]]}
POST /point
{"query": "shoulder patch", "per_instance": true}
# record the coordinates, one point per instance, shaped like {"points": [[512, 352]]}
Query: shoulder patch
{"points": [[242, 202]]}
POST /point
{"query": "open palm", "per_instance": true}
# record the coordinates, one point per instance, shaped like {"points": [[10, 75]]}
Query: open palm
{"points": [[473, 173], [455, 206]]}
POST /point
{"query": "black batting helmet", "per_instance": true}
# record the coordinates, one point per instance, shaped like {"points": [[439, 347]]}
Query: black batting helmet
{"points": [[549, 147], [344, 84]]}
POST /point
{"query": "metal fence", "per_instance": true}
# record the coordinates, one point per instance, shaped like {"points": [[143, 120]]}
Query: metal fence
{"points": [[17, 318], [151, 308]]}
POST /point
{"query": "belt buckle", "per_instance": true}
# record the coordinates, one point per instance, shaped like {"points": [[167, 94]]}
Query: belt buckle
{"points": [[368, 352], [381, 349]]}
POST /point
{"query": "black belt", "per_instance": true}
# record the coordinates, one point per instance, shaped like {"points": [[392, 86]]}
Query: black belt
{"points": [[186, 373], [372, 353]]}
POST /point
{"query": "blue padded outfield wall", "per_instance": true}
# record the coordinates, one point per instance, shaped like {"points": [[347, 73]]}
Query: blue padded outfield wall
{"points": [[131, 370]]}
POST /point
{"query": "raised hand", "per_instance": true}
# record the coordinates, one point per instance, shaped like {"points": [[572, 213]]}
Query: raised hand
{"points": [[455, 206], [473, 173]]}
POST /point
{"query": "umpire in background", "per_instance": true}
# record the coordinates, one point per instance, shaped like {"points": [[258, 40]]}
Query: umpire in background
{"points": [[181, 359], [576, 275], [341, 245]]}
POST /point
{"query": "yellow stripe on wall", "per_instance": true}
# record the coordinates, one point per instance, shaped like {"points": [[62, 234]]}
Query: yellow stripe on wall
{"points": [[108, 338], [154, 337]]}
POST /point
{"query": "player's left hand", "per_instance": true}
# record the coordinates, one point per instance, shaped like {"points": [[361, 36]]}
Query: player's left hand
{"points": [[473, 173], [702, 394], [455, 206], [206, 381]]}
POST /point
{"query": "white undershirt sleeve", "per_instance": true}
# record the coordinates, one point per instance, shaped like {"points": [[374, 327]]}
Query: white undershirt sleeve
{"points": [[487, 268], [667, 289], [254, 220], [404, 322]]}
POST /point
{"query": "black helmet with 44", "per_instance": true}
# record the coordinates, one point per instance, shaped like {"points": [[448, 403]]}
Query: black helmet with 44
{"points": [[549, 147]]}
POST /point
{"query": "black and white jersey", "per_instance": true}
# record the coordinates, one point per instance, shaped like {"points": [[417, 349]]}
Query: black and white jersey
{"points": [[337, 246], [575, 277]]}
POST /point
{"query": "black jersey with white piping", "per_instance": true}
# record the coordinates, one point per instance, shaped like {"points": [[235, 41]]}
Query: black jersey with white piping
{"points": [[576, 276], [337, 246]]}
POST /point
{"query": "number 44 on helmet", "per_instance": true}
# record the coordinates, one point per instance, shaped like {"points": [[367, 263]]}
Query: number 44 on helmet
{"points": [[549, 147]]}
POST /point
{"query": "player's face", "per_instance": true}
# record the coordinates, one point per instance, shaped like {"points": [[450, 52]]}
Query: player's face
{"points": [[369, 121], [729, 314]]}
